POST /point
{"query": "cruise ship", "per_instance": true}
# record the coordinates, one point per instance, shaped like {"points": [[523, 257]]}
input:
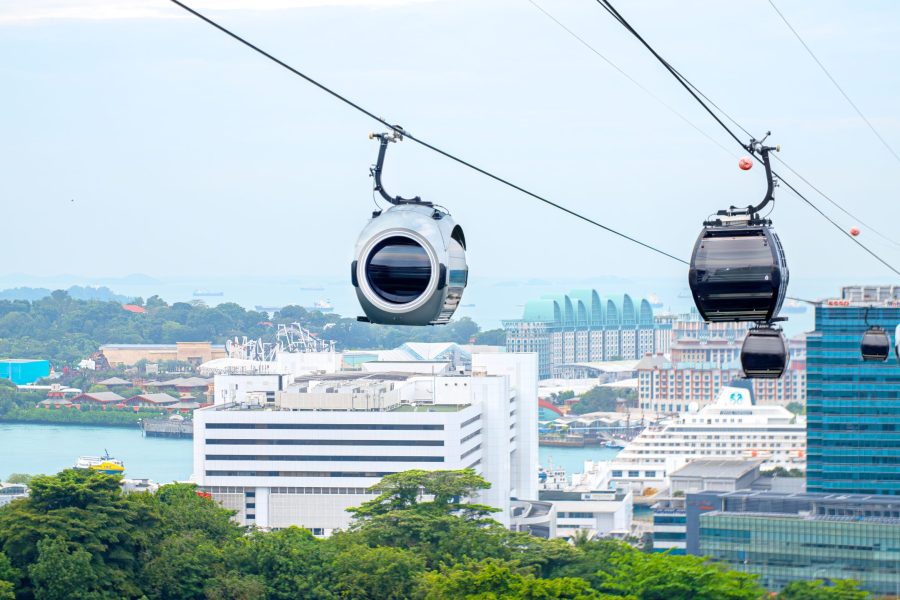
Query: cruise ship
{"points": [[733, 427]]}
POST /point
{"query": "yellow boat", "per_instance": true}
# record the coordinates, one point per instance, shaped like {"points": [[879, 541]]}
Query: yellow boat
{"points": [[102, 464]]}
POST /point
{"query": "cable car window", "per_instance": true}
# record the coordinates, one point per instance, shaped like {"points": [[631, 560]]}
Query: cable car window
{"points": [[734, 254], [398, 269]]}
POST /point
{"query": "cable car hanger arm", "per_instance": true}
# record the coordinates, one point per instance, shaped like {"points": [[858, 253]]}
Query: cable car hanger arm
{"points": [[396, 135], [757, 147]]}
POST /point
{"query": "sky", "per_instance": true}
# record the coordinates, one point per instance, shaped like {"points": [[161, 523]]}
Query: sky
{"points": [[137, 139]]}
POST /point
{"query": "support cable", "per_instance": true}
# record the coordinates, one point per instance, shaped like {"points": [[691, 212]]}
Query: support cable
{"points": [[836, 84], [420, 141], [696, 93]]}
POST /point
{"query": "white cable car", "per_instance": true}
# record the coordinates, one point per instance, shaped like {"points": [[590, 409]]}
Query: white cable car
{"points": [[410, 266]]}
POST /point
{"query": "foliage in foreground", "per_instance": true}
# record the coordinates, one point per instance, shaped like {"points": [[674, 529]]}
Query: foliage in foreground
{"points": [[79, 537]]}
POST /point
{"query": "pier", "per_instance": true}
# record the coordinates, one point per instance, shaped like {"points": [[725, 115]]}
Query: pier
{"points": [[167, 428]]}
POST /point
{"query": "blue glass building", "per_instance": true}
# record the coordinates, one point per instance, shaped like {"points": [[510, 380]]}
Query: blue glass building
{"points": [[853, 407]]}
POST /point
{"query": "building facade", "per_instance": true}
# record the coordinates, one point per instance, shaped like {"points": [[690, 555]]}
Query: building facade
{"points": [[303, 454], [128, 355], [582, 327], [853, 407], [789, 537], [702, 358], [671, 387], [24, 371]]}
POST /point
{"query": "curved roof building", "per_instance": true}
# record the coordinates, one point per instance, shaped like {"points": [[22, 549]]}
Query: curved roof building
{"points": [[584, 326]]}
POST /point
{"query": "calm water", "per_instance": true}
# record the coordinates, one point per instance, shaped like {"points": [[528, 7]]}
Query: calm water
{"points": [[572, 459], [50, 448]]}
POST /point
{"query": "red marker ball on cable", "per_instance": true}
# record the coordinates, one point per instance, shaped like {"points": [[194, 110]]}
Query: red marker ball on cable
{"points": [[745, 163], [854, 231]]}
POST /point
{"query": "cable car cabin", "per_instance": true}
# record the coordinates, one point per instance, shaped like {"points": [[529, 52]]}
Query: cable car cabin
{"points": [[764, 354], [738, 273], [875, 345], [410, 267]]}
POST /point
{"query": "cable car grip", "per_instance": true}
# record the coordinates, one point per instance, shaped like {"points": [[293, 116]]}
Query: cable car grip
{"points": [[395, 135]]}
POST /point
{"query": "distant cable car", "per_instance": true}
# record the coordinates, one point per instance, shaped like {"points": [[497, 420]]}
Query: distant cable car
{"points": [[410, 266], [764, 354], [738, 271], [875, 345]]}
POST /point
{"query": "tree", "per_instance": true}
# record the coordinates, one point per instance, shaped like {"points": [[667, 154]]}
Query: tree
{"points": [[288, 562], [9, 577], [62, 574], [447, 489], [493, 579], [833, 589], [22, 478], [491, 337], [234, 586], [628, 572], [601, 399], [798, 408], [385, 573]]}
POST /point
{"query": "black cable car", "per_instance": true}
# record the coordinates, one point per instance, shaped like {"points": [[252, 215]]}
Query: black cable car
{"points": [[410, 266], [875, 345], [764, 354], [738, 271]]}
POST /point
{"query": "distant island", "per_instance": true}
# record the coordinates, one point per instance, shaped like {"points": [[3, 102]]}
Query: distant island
{"points": [[76, 292]]}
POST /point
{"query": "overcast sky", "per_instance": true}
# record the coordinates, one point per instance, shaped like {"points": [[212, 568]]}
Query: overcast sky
{"points": [[137, 139]]}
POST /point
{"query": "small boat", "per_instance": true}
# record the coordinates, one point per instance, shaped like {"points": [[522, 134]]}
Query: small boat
{"points": [[615, 445], [102, 464], [271, 309], [201, 293], [654, 301], [320, 305]]}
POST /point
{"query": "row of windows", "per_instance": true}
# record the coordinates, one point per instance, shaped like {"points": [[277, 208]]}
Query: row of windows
{"points": [[469, 422], [352, 426], [281, 442], [296, 474], [669, 520], [470, 451], [576, 515], [326, 458], [469, 437], [670, 536]]}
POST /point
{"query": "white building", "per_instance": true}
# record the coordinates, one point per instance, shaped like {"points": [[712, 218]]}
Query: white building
{"points": [[734, 427], [300, 448], [12, 491]]}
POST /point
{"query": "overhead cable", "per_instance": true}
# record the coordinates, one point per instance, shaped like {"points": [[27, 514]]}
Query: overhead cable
{"points": [[836, 84], [696, 94], [718, 108], [420, 141], [629, 77]]}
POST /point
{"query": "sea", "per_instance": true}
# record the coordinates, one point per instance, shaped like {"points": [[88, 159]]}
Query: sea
{"points": [[47, 449]]}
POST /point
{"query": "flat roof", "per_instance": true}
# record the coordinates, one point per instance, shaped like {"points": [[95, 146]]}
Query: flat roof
{"points": [[711, 468]]}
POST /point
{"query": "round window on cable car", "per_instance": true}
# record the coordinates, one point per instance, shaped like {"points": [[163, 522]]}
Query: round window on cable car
{"points": [[738, 273], [764, 354], [398, 269]]}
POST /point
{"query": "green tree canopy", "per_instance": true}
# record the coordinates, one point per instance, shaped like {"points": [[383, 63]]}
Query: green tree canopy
{"points": [[833, 589]]}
